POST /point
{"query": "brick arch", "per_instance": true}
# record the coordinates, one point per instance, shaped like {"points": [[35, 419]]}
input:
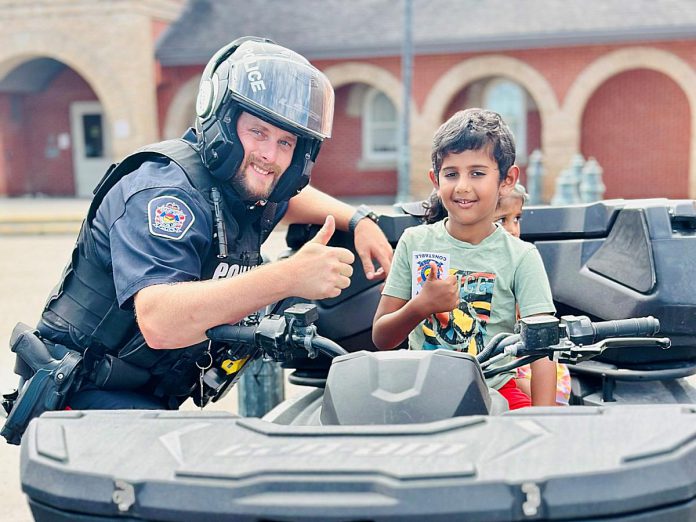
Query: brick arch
{"points": [[182, 109], [611, 64], [469, 71], [102, 82], [465, 73], [179, 114], [358, 72], [124, 82]]}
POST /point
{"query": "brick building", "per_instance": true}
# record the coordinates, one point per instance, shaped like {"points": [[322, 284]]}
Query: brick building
{"points": [[83, 82]]}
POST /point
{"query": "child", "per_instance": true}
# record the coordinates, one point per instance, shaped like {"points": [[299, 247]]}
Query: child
{"points": [[508, 215], [455, 282]]}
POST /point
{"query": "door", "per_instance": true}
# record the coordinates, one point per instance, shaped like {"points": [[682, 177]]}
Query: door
{"points": [[91, 145]]}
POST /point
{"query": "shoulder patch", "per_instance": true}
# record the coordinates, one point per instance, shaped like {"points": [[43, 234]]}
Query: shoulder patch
{"points": [[169, 217]]}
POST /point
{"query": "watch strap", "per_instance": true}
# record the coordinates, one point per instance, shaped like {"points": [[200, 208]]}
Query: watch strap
{"points": [[363, 212]]}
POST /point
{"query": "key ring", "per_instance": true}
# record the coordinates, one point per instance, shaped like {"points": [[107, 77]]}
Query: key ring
{"points": [[210, 361]]}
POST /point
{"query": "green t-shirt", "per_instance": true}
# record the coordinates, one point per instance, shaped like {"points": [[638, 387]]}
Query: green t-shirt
{"points": [[495, 276]]}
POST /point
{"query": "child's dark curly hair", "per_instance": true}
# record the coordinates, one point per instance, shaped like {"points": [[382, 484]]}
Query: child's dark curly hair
{"points": [[470, 129]]}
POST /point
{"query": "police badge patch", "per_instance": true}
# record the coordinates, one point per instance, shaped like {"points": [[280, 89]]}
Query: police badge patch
{"points": [[169, 217]]}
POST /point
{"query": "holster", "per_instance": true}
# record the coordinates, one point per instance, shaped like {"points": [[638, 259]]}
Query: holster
{"points": [[48, 373]]}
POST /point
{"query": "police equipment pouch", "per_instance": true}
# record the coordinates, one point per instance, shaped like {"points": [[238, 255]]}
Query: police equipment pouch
{"points": [[112, 373], [54, 370]]}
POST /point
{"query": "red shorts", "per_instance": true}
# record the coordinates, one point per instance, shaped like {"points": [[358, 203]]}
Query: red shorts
{"points": [[516, 398]]}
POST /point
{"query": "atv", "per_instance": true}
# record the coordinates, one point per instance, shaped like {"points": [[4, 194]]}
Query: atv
{"points": [[409, 435]]}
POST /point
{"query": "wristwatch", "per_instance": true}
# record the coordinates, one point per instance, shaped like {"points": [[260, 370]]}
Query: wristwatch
{"points": [[363, 212]]}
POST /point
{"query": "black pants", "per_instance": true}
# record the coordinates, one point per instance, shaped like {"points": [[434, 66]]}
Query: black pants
{"points": [[95, 399]]}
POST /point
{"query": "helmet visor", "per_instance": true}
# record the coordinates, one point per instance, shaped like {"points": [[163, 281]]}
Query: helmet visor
{"points": [[291, 93]]}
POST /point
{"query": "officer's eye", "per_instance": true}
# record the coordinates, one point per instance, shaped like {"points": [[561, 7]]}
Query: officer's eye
{"points": [[286, 144]]}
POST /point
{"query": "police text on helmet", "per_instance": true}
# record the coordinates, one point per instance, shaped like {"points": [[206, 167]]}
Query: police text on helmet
{"points": [[251, 66]]}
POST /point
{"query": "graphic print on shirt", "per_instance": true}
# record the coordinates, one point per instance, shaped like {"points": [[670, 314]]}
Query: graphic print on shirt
{"points": [[463, 328], [421, 262], [169, 217]]}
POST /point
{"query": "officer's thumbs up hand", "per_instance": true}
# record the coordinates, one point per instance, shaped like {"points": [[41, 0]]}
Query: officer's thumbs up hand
{"points": [[321, 271], [326, 231]]}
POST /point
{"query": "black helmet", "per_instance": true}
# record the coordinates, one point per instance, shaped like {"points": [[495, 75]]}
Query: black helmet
{"points": [[271, 82]]}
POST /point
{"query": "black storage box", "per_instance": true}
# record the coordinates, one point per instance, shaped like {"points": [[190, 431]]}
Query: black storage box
{"points": [[621, 463]]}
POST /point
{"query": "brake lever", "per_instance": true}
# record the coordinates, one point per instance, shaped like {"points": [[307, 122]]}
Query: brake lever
{"points": [[578, 353], [302, 336], [620, 342]]}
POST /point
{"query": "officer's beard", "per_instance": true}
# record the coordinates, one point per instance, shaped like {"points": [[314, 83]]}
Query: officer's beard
{"points": [[241, 183]]}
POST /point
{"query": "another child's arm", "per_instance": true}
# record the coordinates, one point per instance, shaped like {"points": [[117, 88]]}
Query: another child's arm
{"points": [[534, 298], [395, 318], [543, 382]]}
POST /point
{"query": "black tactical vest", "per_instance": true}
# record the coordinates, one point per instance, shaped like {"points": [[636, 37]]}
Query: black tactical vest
{"points": [[83, 312]]}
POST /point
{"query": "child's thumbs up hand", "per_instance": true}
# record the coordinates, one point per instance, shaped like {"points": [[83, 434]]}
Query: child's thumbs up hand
{"points": [[432, 273], [438, 295]]}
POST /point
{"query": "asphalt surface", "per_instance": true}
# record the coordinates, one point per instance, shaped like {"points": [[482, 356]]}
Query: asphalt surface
{"points": [[36, 238]]}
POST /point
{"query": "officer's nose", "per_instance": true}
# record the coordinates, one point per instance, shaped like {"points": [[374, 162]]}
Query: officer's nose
{"points": [[268, 151]]}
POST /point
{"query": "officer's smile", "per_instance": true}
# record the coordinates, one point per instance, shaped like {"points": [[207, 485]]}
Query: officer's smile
{"points": [[257, 168], [262, 172]]}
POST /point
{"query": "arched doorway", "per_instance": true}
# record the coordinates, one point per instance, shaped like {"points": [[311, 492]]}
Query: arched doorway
{"points": [[514, 103], [54, 133]]}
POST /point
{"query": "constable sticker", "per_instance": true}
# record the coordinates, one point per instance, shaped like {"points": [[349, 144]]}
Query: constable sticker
{"points": [[420, 266], [169, 217]]}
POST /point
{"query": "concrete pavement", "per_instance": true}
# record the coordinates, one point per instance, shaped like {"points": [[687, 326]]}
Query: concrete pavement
{"points": [[36, 238], [44, 215], [29, 267], [21, 216]]}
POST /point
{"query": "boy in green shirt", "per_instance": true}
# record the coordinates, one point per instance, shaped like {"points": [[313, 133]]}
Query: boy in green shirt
{"points": [[455, 282]]}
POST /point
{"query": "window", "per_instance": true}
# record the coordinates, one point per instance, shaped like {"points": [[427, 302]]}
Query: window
{"points": [[510, 101], [380, 126], [93, 135]]}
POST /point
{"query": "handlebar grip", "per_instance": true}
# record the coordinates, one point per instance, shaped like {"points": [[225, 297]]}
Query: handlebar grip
{"points": [[328, 347], [634, 327], [232, 333]]}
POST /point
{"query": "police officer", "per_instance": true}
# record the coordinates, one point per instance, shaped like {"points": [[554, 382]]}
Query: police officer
{"points": [[174, 232]]}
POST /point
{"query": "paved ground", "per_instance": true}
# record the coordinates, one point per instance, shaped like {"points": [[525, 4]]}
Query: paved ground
{"points": [[36, 238], [33, 252]]}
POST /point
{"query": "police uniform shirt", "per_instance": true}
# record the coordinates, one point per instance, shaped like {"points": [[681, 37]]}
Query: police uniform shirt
{"points": [[153, 227]]}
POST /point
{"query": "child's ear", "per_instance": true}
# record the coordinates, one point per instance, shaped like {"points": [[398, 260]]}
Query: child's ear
{"points": [[508, 183], [433, 179]]}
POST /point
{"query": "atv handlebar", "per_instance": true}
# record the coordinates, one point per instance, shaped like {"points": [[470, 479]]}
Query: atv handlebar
{"points": [[233, 333], [278, 335], [583, 331], [571, 339]]}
